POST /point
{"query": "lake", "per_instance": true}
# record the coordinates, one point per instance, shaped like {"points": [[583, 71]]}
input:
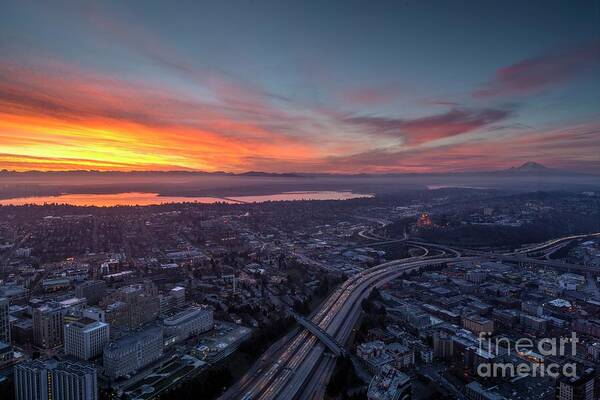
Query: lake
{"points": [[147, 199]]}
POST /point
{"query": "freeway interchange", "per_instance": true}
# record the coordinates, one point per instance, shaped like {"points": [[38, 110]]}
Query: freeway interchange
{"points": [[299, 367]]}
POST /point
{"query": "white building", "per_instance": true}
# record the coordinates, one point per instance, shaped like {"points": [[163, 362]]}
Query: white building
{"points": [[172, 301], [187, 323], [133, 352], [86, 338]]}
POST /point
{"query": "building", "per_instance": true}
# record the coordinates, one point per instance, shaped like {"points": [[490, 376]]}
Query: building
{"points": [[85, 338], [178, 294], [32, 380], [424, 221], [49, 319], [580, 387], [476, 276], [404, 357], [475, 391], [187, 323], [6, 354], [172, 301], [534, 324], [589, 327], [95, 313], [4, 320], [443, 345], [45, 380], [375, 355], [132, 306], [55, 284], [14, 293], [48, 326], [93, 291], [133, 352], [477, 324], [414, 316], [389, 384], [74, 381]]}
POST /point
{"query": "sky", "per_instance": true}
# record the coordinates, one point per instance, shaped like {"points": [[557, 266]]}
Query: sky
{"points": [[299, 86]]}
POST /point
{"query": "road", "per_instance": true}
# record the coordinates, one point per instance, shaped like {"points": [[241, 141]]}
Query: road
{"points": [[298, 366], [294, 365], [541, 246]]}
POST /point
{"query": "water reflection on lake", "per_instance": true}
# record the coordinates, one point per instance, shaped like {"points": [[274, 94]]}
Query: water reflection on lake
{"points": [[146, 199]]}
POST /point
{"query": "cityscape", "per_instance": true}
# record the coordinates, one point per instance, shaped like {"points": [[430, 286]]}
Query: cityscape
{"points": [[384, 297], [279, 200]]}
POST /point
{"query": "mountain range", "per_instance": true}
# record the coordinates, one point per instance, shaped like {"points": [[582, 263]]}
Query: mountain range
{"points": [[529, 168]]}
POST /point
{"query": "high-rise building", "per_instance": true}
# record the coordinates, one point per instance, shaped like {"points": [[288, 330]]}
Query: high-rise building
{"points": [[4, 321], [48, 325], [49, 319], [45, 380], [85, 338], [32, 380], [172, 301], [132, 306], [74, 381], [580, 387], [443, 346], [133, 352]]}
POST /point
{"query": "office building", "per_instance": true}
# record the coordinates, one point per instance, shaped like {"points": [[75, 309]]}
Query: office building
{"points": [[85, 338], [45, 380], [133, 352], [93, 291], [187, 323], [580, 387], [477, 324], [48, 326], [74, 381], [132, 306], [172, 301], [32, 380]]}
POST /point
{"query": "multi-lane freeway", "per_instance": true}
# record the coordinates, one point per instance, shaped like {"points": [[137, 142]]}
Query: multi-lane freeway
{"points": [[298, 366], [293, 369]]}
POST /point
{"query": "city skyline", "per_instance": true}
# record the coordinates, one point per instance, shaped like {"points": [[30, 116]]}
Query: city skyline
{"points": [[339, 87]]}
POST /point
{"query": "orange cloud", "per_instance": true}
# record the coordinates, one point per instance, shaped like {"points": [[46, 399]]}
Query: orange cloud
{"points": [[66, 119]]}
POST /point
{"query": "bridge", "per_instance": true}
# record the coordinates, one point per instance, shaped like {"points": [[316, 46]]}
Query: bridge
{"points": [[336, 348]]}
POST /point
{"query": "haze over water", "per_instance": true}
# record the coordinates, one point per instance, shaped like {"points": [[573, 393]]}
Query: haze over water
{"points": [[146, 199]]}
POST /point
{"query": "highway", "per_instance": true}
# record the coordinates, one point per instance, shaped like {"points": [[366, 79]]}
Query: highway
{"points": [[542, 246], [299, 367], [294, 363]]}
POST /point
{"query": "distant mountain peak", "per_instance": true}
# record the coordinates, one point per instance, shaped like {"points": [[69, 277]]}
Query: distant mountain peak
{"points": [[269, 174], [530, 166]]}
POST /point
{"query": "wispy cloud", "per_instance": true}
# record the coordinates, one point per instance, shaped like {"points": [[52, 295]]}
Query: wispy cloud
{"points": [[566, 147], [537, 73], [421, 130]]}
